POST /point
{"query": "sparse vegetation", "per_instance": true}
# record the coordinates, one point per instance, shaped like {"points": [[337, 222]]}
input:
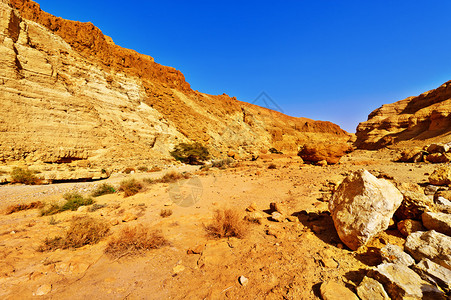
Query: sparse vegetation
{"points": [[128, 170], [164, 213], [96, 206], [272, 166], [173, 176], [73, 202], [155, 169], [227, 223], [143, 169], [103, 189], [130, 187], [223, 163], [193, 154], [82, 231], [24, 176], [135, 240], [19, 207]]}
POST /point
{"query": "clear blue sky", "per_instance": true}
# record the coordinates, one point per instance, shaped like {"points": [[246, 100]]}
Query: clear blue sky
{"points": [[325, 60]]}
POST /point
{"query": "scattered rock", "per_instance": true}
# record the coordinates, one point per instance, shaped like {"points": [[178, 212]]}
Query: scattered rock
{"points": [[362, 207], [413, 155], [442, 201], [413, 206], [430, 244], [370, 289], [394, 254], [439, 222], [255, 217], [43, 290], [431, 189], [333, 291], [293, 219], [400, 282], [434, 273], [129, 217], [406, 227], [278, 217], [243, 280], [329, 263], [322, 163], [441, 176]]}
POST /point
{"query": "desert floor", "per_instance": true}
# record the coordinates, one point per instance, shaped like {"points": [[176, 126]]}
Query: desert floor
{"points": [[285, 260]]}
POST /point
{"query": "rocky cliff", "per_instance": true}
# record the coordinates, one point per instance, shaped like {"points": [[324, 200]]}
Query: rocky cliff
{"points": [[417, 120], [69, 93]]}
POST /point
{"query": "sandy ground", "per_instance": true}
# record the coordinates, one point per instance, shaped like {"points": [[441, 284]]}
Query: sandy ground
{"points": [[281, 260]]}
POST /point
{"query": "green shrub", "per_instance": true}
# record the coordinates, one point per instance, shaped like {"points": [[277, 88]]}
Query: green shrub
{"points": [[103, 189], [192, 154], [73, 202], [24, 176], [130, 187]]}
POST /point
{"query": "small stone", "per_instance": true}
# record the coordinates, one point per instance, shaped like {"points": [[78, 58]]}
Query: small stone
{"points": [[243, 280], [196, 250], [129, 217], [394, 254], [406, 227], [83, 209], [178, 269], [169, 203], [293, 219], [439, 222], [278, 217], [252, 207], [322, 163], [329, 263], [441, 176], [442, 201], [333, 291], [431, 189], [43, 290], [255, 217], [371, 289], [278, 207]]}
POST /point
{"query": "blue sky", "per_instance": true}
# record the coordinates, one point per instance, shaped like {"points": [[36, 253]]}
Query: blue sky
{"points": [[325, 60]]}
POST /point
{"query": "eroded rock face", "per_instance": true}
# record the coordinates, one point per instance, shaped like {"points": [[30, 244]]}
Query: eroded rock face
{"points": [[435, 273], [431, 245], [69, 93], [362, 207], [422, 117]]}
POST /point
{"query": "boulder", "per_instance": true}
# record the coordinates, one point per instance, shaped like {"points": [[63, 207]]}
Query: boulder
{"points": [[370, 289], [406, 227], [431, 245], [400, 282], [394, 254], [438, 148], [333, 291], [434, 273], [362, 207], [442, 193], [278, 217], [413, 205], [330, 152], [441, 176], [412, 155], [437, 158], [439, 222]]}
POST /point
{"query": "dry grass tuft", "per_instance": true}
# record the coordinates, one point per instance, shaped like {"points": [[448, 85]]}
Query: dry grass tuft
{"points": [[19, 207], [165, 213], [227, 223], [135, 240], [173, 176], [130, 187], [82, 231]]}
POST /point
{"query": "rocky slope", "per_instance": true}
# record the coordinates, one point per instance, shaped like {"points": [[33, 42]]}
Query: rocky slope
{"points": [[420, 120], [69, 93]]}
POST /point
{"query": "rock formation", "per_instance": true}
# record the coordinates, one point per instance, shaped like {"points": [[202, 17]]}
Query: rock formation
{"points": [[420, 118], [69, 93]]}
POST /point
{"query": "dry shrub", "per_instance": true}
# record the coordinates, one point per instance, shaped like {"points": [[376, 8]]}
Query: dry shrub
{"points": [[82, 231], [130, 187], [165, 213], [173, 176], [128, 170], [18, 207], [135, 240], [24, 176], [227, 223], [272, 166], [103, 189]]}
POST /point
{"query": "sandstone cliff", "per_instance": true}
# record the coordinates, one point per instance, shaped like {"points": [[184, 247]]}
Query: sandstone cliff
{"points": [[69, 93], [414, 120]]}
